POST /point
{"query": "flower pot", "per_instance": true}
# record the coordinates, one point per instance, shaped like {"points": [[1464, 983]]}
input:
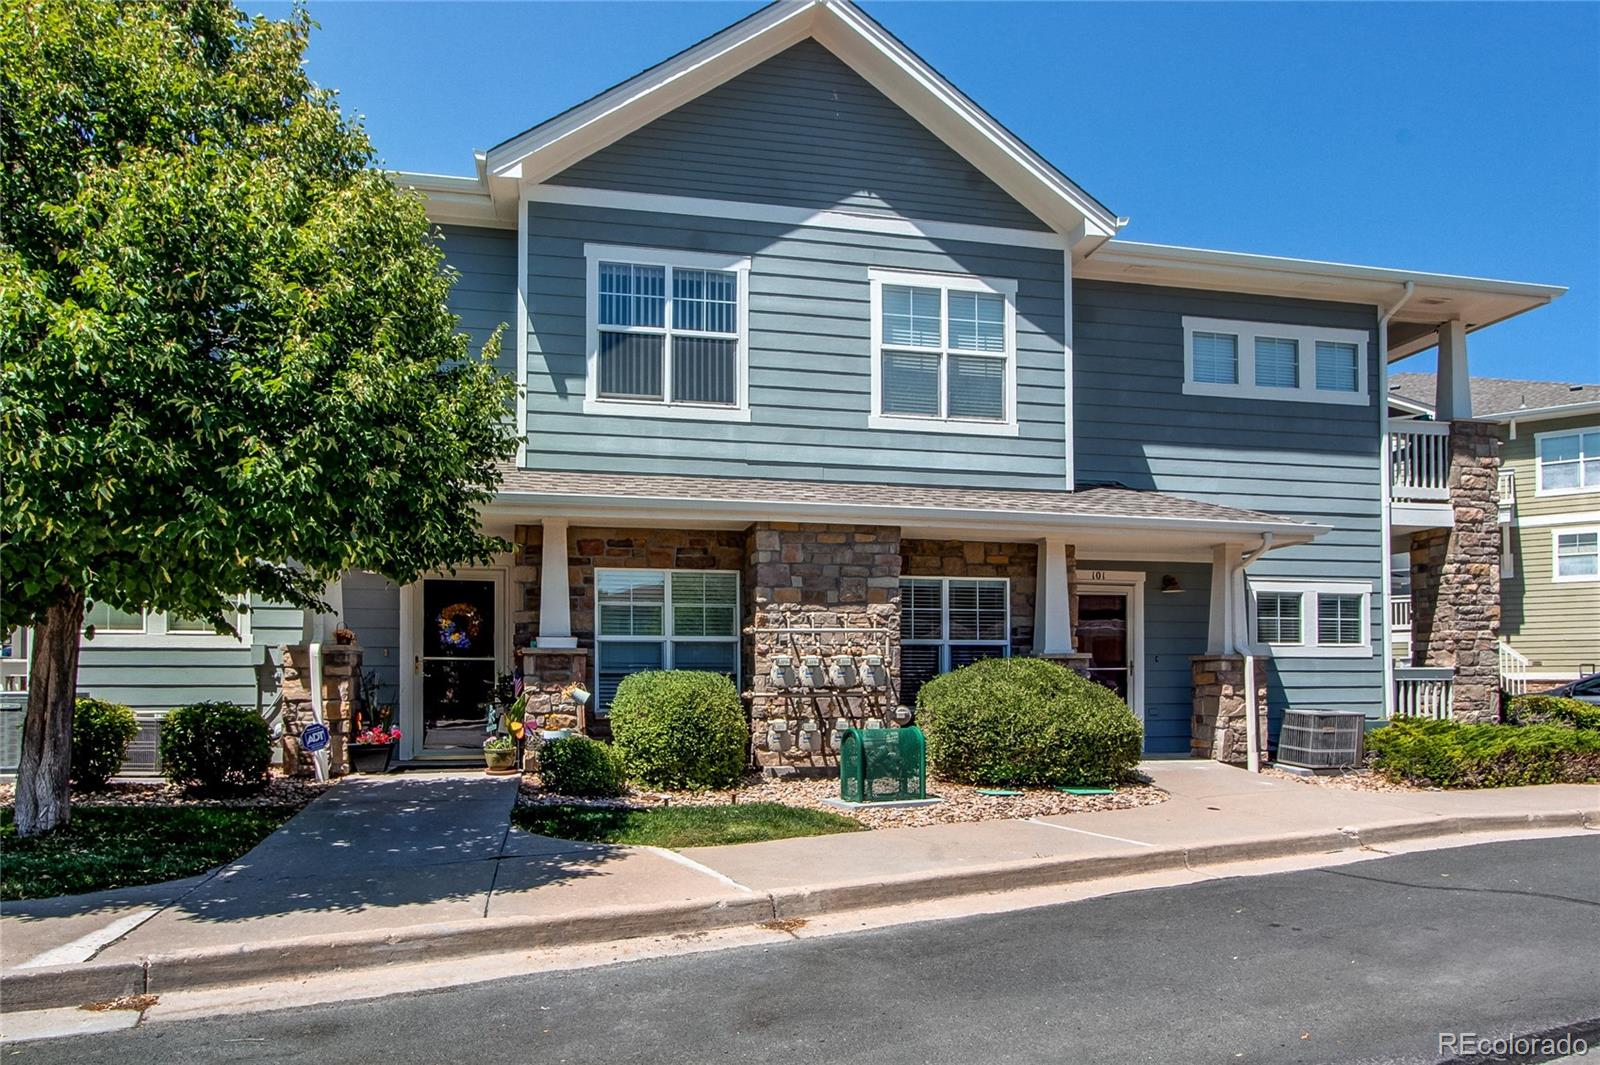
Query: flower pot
{"points": [[370, 757], [500, 760]]}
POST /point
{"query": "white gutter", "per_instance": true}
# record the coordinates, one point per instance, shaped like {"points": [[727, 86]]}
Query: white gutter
{"points": [[1252, 728], [1385, 477]]}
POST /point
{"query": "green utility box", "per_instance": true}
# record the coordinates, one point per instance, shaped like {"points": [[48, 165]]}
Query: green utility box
{"points": [[883, 765]]}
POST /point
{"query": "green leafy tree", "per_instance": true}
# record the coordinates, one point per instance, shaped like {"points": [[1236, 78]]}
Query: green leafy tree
{"points": [[228, 366]]}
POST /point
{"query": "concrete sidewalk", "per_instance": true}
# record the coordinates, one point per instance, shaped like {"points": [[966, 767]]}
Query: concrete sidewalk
{"points": [[412, 868]]}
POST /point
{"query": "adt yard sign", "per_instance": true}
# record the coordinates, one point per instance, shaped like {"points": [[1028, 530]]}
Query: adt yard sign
{"points": [[314, 738]]}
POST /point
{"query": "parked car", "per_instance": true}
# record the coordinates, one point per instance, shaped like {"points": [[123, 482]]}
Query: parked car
{"points": [[1586, 689]]}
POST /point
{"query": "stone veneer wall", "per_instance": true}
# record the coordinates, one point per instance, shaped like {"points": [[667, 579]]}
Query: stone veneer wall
{"points": [[827, 576], [1455, 578], [1219, 727], [971, 558], [341, 703]]}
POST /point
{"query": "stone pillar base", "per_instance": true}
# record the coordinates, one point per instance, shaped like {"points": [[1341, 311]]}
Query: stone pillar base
{"points": [[1219, 726], [546, 674]]}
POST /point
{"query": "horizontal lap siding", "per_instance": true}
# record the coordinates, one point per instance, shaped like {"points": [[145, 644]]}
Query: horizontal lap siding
{"points": [[1316, 462], [1556, 625], [155, 676], [485, 294], [810, 363], [802, 130], [372, 610]]}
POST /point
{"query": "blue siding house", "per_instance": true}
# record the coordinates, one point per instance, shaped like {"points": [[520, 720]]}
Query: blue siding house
{"points": [[816, 358]]}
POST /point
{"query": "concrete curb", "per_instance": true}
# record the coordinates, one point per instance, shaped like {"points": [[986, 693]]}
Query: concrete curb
{"points": [[73, 985]]}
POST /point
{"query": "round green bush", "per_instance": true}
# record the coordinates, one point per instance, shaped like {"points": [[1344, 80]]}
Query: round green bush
{"points": [[1029, 722], [577, 765], [215, 748], [680, 728], [101, 732]]}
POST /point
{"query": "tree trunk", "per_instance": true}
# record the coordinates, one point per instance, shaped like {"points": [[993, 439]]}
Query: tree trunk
{"points": [[43, 801]]}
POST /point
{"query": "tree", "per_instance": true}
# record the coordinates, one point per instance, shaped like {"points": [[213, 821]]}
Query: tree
{"points": [[228, 366]]}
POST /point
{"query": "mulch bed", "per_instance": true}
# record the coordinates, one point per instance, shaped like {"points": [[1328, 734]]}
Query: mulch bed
{"points": [[281, 792], [961, 802], [1345, 780]]}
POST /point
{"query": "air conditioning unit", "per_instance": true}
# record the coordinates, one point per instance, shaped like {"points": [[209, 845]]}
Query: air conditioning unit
{"points": [[1313, 740]]}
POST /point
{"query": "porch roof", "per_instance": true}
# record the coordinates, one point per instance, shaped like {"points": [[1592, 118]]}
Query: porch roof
{"points": [[1014, 511]]}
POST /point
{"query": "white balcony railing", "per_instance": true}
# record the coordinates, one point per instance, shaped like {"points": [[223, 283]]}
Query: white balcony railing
{"points": [[1419, 461], [1514, 666], [1506, 490], [1424, 692], [1400, 617]]}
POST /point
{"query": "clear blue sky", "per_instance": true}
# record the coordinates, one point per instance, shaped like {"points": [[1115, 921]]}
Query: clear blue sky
{"points": [[1458, 138]]}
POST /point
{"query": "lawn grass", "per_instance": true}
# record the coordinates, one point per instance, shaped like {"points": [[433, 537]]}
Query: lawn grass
{"points": [[109, 847], [681, 826]]}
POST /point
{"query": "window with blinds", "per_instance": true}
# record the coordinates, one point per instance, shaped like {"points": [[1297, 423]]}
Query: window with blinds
{"points": [[1278, 617], [1338, 366], [663, 619], [1216, 358], [1277, 361], [1339, 619], [947, 623], [945, 348], [667, 330]]}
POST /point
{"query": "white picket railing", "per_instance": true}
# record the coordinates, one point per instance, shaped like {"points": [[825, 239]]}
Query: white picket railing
{"points": [[1514, 666], [1400, 617], [1419, 461], [1424, 692]]}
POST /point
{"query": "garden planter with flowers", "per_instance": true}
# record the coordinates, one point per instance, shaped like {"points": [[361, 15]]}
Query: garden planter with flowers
{"points": [[372, 749]]}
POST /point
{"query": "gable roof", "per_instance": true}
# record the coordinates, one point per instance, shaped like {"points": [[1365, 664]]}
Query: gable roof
{"points": [[862, 44], [1500, 398]]}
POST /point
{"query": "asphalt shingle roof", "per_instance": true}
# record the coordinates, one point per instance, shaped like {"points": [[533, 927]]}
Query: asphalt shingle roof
{"points": [[1498, 395], [1097, 502]]}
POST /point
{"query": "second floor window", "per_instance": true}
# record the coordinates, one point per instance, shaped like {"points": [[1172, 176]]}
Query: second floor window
{"points": [[944, 352], [1260, 360], [668, 331], [1569, 462]]}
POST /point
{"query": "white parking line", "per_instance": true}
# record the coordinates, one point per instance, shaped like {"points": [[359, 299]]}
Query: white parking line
{"points": [[1086, 832], [692, 864], [85, 947]]}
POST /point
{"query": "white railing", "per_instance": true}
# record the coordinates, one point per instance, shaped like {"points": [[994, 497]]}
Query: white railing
{"points": [[1424, 692], [1506, 490], [1514, 667], [1400, 617], [1419, 461]]}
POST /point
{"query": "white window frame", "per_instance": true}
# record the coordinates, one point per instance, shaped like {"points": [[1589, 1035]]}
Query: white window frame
{"points": [[1555, 555], [667, 639], [1538, 463], [944, 643], [157, 634], [946, 283], [665, 407], [1309, 592], [1305, 338]]}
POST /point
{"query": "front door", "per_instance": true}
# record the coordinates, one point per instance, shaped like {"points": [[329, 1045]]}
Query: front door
{"points": [[1103, 633], [458, 662]]}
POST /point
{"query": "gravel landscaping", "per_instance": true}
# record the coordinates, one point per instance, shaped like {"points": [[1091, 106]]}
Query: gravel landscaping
{"points": [[1345, 780], [961, 802]]}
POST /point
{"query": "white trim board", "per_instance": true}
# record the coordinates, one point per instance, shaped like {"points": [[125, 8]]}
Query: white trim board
{"points": [[1544, 521], [1305, 338], [779, 214]]}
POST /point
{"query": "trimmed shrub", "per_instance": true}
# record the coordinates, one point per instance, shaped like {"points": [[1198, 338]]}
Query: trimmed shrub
{"points": [[101, 732], [1029, 722], [215, 749], [577, 765], [1551, 710], [680, 728], [1452, 754]]}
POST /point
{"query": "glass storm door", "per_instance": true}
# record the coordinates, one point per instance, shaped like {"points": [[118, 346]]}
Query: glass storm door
{"points": [[458, 642], [1103, 633]]}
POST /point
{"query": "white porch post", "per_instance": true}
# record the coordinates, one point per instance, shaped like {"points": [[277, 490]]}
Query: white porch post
{"points": [[1453, 396], [555, 601], [1052, 630], [1222, 632]]}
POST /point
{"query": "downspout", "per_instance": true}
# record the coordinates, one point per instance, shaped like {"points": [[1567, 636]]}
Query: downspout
{"points": [[1252, 729], [1385, 466]]}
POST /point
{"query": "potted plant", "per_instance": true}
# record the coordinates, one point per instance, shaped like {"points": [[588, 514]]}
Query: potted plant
{"points": [[372, 749], [500, 754]]}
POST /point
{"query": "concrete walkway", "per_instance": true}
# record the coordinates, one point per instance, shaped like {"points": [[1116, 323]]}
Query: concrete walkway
{"points": [[430, 864]]}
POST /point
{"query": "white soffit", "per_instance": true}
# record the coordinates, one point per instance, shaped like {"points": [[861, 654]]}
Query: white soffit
{"points": [[551, 147]]}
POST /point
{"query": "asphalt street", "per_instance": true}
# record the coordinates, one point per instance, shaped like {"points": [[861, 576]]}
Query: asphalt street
{"points": [[1367, 963]]}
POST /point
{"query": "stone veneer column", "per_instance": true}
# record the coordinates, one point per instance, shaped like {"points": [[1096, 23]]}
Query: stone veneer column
{"points": [[1219, 727], [1455, 578], [825, 576], [341, 703]]}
